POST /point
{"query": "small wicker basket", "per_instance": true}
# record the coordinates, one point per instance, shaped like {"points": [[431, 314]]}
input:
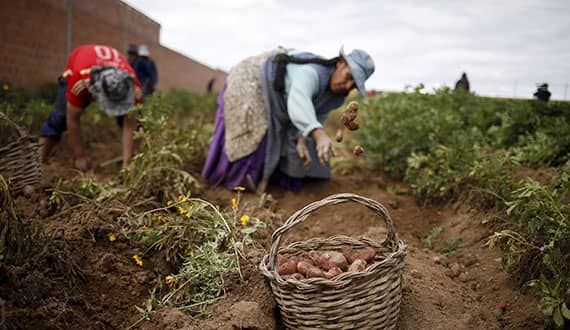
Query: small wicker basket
{"points": [[360, 300], [20, 159]]}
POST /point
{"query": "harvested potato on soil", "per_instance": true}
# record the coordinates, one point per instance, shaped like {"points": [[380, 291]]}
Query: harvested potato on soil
{"points": [[309, 270], [357, 265], [338, 137], [358, 150]]}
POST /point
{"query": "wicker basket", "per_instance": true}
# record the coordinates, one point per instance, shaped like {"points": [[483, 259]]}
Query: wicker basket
{"points": [[361, 300], [20, 159]]}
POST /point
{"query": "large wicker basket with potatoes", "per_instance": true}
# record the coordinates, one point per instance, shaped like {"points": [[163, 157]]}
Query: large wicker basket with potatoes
{"points": [[364, 299], [19, 158]]}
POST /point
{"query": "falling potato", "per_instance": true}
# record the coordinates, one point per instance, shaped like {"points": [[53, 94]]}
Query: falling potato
{"points": [[338, 136], [358, 150], [352, 126]]}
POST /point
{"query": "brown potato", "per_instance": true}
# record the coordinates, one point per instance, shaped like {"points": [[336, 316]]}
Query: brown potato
{"points": [[281, 259], [352, 126], [357, 265], [297, 276], [314, 256], [334, 271], [367, 254], [358, 150], [338, 137], [309, 270], [330, 259], [288, 268], [352, 106]]}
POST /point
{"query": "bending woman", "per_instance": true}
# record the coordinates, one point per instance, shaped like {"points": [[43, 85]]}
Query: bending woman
{"points": [[269, 122]]}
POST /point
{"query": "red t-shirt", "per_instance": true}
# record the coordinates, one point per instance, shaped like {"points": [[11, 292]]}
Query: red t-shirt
{"points": [[78, 69]]}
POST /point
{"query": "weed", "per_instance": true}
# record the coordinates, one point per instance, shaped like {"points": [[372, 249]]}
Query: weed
{"points": [[432, 236], [451, 246]]}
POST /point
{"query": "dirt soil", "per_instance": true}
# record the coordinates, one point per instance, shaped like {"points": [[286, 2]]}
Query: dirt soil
{"points": [[464, 289]]}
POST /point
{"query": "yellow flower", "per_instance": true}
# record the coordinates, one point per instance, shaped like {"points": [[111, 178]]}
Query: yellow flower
{"points": [[5, 87], [181, 210], [244, 220], [111, 237], [159, 218], [181, 198], [168, 203], [169, 280], [239, 188], [138, 260], [234, 204]]}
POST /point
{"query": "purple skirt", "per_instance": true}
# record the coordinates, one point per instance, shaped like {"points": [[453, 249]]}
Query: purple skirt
{"points": [[218, 170]]}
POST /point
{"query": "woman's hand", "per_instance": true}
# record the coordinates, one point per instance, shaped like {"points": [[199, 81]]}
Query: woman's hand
{"points": [[303, 151], [324, 145]]}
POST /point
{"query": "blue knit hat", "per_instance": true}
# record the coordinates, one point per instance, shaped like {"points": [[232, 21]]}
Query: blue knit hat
{"points": [[361, 66]]}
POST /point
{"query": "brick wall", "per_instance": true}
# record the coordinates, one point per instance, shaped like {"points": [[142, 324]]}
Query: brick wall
{"points": [[33, 41]]}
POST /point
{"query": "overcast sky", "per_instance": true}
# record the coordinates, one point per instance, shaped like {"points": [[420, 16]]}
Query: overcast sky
{"points": [[506, 47]]}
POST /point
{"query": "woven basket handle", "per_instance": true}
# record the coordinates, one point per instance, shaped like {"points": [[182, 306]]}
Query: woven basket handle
{"points": [[304, 213], [13, 124]]}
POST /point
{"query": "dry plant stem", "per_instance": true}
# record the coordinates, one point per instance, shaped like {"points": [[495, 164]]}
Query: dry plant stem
{"points": [[236, 251]]}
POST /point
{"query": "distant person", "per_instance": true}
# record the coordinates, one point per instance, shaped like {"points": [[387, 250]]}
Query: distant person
{"points": [[272, 131], [146, 70], [132, 54], [93, 72], [542, 93], [463, 83], [210, 87]]}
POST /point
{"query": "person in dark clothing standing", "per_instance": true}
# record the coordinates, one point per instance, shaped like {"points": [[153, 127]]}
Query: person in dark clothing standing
{"points": [[210, 87], [145, 69], [132, 54], [542, 93], [463, 83]]}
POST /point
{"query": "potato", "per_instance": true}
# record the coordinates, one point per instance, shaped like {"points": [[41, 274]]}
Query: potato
{"points": [[306, 260], [296, 276], [330, 259], [309, 270], [367, 254], [358, 150], [334, 271], [29, 191], [313, 256], [289, 267], [357, 265], [352, 106], [281, 259], [352, 126], [338, 137]]}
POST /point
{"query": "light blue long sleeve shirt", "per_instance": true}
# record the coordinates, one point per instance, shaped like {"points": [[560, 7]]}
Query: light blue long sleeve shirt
{"points": [[301, 85]]}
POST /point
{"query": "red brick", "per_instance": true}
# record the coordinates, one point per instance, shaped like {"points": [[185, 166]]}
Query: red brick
{"points": [[33, 41]]}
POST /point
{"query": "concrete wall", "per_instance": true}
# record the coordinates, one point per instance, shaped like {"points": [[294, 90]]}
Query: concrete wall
{"points": [[34, 41]]}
